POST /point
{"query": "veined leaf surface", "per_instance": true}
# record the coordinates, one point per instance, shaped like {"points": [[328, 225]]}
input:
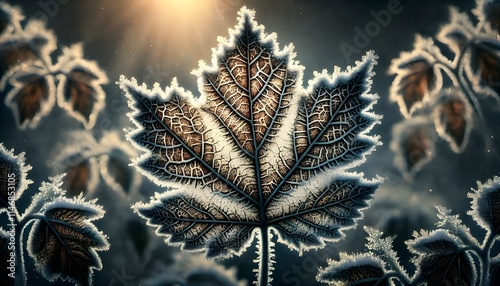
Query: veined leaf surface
{"points": [[64, 242], [256, 150]]}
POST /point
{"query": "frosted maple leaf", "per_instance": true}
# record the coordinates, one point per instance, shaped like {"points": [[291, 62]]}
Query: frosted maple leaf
{"points": [[255, 151]]}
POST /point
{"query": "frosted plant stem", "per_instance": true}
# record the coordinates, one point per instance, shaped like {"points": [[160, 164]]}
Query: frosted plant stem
{"points": [[484, 259], [20, 279], [399, 276], [264, 258]]}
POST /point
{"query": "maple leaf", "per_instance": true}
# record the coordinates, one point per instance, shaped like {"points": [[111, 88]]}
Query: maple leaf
{"points": [[255, 151]]}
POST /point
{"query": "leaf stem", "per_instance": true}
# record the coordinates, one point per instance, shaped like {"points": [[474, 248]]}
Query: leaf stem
{"points": [[455, 74], [20, 279], [397, 275], [483, 254], [264, 258]]}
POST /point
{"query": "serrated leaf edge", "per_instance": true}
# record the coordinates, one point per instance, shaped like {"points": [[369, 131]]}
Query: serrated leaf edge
{"points": [[492, 185], [95, 212], [24, 168]]}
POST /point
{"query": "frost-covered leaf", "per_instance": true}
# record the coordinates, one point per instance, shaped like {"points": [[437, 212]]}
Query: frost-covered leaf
{"points": [[359, 270], [417, 77], [79, 89], [7, 260], [78, 178], [255, 151], [454, 225], [32, 95], [35, 42], [81, 174], [76, 159], [483, 66], [115, 164], [13, 53], [63, 241], [453, 119], [413, 143], [485, 205], [443, 260], [13, 177], [436, 242]]}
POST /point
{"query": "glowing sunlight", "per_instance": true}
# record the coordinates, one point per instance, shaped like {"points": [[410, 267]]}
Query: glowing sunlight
{"points": [[170, 30]]}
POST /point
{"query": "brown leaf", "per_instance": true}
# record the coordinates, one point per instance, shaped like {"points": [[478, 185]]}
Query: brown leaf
{"points": [[15, 53], [257, 150], [77, 178], [29, 98], [81, 174], [8, 169], [485, 62], [413, 143], [416, 148], [486, 205], [452, 122], [64, 242], [413, 83], [80, 93]]}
